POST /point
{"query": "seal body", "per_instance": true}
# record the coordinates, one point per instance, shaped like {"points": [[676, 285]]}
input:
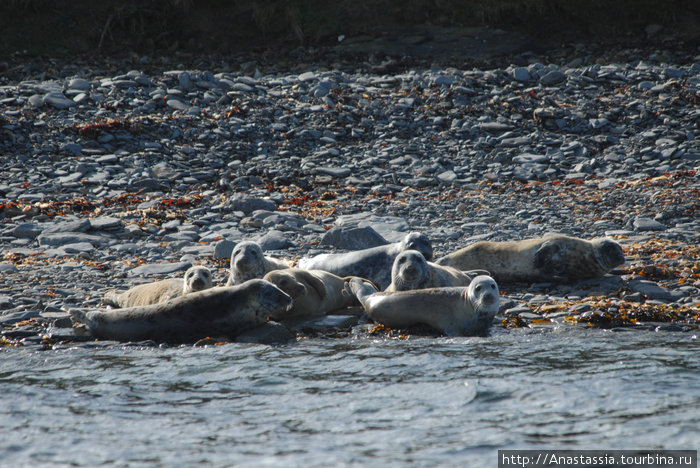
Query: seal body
{"points": [[248, 262], [374, 263], [313, 292], [197, 278], [556, 258], [412, 271], [453, 311], [223, 311]]}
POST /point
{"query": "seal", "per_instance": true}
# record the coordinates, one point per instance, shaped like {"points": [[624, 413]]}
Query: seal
{"points": [[313, 292], [453, 311], [374, 263], [412, 271], [553, 258], [248, 262], [223, 311], [197, 278]]}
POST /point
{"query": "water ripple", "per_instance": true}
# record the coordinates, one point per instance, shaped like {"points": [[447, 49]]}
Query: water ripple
{"points": [[421, 401]]}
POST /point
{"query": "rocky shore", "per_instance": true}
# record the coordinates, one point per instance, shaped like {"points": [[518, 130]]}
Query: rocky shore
{"points": [[131, 172]]}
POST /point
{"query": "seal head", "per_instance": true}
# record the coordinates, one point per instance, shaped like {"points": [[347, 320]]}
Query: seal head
{"points": [[420, 242], [197, 278], [247, 262], [410, 271]]}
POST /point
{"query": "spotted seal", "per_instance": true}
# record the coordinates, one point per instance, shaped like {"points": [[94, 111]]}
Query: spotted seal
{"points": [[248, 262], [314, 292], [412, 271], [196, 278], [222, 311], [556, 258], [453, 311], [374, 263]]}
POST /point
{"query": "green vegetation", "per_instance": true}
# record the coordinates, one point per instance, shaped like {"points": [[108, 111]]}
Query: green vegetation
{"points": [[109, 26]]}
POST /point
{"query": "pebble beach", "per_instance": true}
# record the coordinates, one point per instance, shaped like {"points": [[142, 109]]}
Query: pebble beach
{"points": [[122, 173]]}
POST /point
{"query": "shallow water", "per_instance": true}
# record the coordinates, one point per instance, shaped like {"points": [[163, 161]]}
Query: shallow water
{"points": [[364, 402]]}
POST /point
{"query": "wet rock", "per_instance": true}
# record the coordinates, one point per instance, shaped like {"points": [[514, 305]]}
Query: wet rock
{"points": [[653, 290], [269, 333], [322, 324]]}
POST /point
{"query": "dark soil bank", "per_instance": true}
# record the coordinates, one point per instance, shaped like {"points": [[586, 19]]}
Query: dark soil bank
{"points": [[83, 26]]}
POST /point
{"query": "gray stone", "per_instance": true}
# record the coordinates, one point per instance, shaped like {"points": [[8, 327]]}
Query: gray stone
{"points": [[243, 87], [5, 300], [79, 84], [526, 158], [248, 204], [307, 76], [78, 247], [352, 237], [521, 74], [268, 333], [159, 268], [552, 78], [13, 317], [105, 223], [529, 316], [162, 171], [71, 225], [58, 100], [64, 238], [648, 224], [654, 291], [177, 104], [8, 268], [36, 100], [495, 127], [391, 228], [73, 148], [517, 310], [275, 240], [339, 172], [185, 80], [447, 177], [224, 249], [27, 230]]}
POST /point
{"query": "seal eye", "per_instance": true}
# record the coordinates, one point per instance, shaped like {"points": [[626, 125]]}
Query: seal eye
{"points": [[493, 286], [478, 289], [205, 274]]}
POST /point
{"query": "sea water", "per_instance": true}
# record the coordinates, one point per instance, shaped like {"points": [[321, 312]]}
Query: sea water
{"points": [[363, 401]]}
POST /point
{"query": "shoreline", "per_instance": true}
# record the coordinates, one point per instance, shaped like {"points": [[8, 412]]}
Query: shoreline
{"points": [[109, 172]]}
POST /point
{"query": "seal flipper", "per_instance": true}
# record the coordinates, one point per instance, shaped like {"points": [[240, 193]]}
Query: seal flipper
{"points": [[111, 298], [81, 316], [548, 259], [474, 273], [315, 283], [360, 288]]}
